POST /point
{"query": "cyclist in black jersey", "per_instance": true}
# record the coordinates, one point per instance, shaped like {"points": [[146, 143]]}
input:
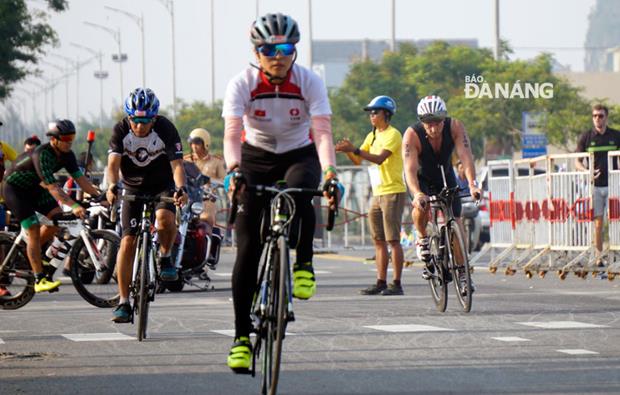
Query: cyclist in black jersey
{"points": [[146, 150], [30, 187], [427, 146]]}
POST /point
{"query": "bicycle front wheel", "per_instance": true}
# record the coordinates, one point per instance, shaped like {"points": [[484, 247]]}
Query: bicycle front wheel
{"points": [[142, 294], [437, 280], [97, 286], [16, 279], [276, 325], [459, 266]]}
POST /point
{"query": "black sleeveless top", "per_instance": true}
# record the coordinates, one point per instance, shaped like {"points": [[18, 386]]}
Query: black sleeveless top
{"points": [[429, 172]]}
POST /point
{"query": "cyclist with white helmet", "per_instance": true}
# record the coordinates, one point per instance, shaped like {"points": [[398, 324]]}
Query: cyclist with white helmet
{"points": [[427, 146], [147, 150], [382, 147], [284, 113]]}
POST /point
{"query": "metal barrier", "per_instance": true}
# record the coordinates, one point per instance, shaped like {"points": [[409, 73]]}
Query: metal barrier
{"points": [[613, 207], [501, 214]]}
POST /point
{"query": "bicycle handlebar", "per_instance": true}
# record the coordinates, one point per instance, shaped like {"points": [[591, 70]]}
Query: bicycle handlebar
{"points": [[260, 189]]}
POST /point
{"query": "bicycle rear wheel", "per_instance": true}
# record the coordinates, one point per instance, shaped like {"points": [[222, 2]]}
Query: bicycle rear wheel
{"points": [[437, 281], [459, 266], [277, 320], [17, 278], [102, 289], [142, 294]]}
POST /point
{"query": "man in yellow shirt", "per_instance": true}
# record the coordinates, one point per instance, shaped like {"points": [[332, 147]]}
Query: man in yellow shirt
{"points": [[382, 147]]}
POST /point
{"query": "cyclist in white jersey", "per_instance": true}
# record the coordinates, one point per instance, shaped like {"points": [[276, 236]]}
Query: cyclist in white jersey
{"points": [[277, 127]]}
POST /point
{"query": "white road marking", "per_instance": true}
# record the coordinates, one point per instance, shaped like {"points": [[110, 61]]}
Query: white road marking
{"points": [[1, 341], [322, 272], [94, 337], [223, 274], [408, 328], [577, 352], [562, 325], [231, 332], [510, 339]]}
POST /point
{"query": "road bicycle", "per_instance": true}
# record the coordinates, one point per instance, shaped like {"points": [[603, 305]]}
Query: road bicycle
{"points": [[272, 306], [92, 253], [145, 275], [449, 261]]}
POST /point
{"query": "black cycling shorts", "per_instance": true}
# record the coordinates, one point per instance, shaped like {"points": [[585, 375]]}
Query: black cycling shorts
{"points": [[429, 189], [23, 203], [131, 212]]}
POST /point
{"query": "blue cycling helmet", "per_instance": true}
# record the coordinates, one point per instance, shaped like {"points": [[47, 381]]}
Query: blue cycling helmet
{"points": [[142, 102], [382, 103]]}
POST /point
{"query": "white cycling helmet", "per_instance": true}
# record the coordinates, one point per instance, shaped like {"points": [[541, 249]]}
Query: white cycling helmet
{"points": [[200, 134], [432, 108]]}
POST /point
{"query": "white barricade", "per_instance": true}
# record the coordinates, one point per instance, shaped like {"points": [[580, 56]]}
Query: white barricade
{"points": [[500, 195], [613, 207]]}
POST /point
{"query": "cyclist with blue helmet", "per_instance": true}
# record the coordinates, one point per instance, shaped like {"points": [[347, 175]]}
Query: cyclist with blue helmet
{"points": [[382, 148], [146, 152]]}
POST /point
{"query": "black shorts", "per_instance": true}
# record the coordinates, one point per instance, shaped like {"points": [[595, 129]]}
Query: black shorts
{"points": [[23, 203], [131, 212], [430, 189]]}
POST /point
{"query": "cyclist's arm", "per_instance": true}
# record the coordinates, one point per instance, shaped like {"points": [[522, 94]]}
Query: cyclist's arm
{"points": [[323, 139], [87, 186], [58, 194], [410, 151], [113, 169], [178, 173], [232, 141], [463, 149]]}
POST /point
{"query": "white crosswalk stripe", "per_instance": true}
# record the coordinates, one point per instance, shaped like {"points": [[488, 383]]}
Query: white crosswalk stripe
{"points": [[510, 339], [562, 325], [577, 351], [408, 328], [93, 337]]}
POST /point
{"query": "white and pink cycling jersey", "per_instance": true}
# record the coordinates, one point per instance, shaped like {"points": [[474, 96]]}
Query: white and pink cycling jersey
{"points": [[276, 118]]}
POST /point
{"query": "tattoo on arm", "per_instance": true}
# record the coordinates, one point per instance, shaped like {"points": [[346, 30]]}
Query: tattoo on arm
{"points": [[465, 140], [407, 150]]}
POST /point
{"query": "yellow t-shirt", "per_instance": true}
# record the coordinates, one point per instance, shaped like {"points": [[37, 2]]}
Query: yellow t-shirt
{"points": [[391, 170], [8, 153]]}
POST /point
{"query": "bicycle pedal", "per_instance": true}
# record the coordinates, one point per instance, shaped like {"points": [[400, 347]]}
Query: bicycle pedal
{"points": [[241, 370]]}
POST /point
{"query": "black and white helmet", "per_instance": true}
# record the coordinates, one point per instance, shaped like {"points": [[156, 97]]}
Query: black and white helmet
{"points": [[274, 29], [60, 127], [432, 109]]}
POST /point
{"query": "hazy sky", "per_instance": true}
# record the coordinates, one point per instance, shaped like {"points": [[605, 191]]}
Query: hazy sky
{"points": [[530, 26]]}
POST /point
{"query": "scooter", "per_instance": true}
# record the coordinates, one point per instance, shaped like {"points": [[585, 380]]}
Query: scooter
{"points": [[195, 248]]}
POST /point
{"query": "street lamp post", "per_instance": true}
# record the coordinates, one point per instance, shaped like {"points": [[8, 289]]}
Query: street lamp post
{"points": [[100, 75], [120, 57], [45, 91], [139, 20], [212, 54], [169, 4], [65, 76]]}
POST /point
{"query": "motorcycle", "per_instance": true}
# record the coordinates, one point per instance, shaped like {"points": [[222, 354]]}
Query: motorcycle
{"points": [[195, 249], [471, 222]]}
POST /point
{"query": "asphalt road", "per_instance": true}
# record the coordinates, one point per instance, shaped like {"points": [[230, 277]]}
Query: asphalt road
{"points": [[542, 336]]}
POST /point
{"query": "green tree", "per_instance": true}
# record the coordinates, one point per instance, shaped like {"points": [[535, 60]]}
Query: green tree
{"points": [[200, 115], [24, 34], [442, 69]]}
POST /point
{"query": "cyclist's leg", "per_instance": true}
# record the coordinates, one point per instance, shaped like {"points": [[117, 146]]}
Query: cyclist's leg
{"points": [[303, 170], [166, 233], [249, 248], [420, 221], [130, 223]]}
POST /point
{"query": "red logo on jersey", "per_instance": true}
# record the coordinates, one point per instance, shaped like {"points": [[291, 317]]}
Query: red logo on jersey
{"points": [[294, 112], [260, 113]]}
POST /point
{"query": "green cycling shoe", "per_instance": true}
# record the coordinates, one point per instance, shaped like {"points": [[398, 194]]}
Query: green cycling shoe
{"points": [[240, 355], [304, 283]]}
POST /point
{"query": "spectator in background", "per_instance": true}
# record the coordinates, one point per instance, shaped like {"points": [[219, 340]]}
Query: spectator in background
{"points": [[31, 143], [461, 179], [382, 147], [599, 140]]}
